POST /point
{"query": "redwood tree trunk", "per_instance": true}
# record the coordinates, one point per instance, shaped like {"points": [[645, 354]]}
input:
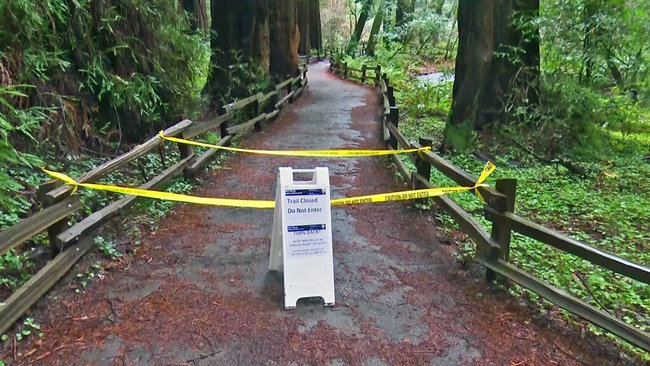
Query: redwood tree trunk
{"points": [[237, 27], [482, 79], [404, 11], [261, 34], [315, 32], [304, 26], [376, 23], [361, 23], [197, 10], [285, 37]]}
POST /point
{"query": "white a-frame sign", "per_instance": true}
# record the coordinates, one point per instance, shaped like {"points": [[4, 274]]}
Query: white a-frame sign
{"points": [[301, 242]]}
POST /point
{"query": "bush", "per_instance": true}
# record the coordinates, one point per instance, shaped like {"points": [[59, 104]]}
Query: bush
{"points": [[81, 73], [571, 119]]}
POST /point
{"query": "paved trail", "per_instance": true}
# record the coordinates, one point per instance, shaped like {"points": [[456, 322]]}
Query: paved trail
{"points": [[198, 291]]}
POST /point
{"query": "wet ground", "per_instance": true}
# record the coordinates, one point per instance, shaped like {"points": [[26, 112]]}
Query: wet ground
{"points": [[198, 291]]}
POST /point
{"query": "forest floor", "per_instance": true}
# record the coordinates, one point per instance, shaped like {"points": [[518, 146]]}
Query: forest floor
{"points": [[198, 291]]}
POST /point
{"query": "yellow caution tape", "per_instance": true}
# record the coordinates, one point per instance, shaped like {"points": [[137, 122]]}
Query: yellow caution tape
{"points": [[148, 193], [228, 202], [302, 153]]}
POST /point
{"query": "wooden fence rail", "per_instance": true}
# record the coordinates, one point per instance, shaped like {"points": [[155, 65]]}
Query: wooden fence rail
{"points": [[70, 244], [493, 248]]}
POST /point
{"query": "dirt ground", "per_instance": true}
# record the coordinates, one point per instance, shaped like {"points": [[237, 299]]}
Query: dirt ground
{"points": [[198, 291]]}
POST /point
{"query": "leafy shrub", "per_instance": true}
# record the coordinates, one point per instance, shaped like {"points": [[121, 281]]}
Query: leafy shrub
{"points": [[571, 119], [80, 73]]}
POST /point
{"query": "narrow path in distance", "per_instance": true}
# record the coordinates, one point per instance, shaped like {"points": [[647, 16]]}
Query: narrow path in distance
{"points": [[198, 291]]}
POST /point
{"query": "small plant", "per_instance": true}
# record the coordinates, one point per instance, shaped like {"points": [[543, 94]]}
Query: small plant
{"points": [[86, 277], [29, 326], [108, 247]]}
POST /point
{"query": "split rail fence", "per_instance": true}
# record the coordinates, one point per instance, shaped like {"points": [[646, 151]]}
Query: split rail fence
{"points": [[69, 244], [493, 248]]}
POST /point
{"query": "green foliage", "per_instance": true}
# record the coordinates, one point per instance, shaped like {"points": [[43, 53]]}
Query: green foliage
{"points": [[422, 33], [76, 74], [594, 63], [108, 247], [86, 277], [29, 325], [592, 40], [241, 79], [599, 123], [15, 269], [574, 120]]}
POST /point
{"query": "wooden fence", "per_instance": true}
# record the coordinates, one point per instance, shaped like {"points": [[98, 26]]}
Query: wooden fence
{"points": [[493, 248], [69, 244]]}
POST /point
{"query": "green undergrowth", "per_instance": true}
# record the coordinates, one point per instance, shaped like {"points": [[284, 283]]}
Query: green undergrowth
{"points": [[117, 239], [18, 265], [607, 206], [605, 211]]}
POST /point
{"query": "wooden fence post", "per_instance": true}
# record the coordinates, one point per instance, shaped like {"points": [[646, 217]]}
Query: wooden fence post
{"points": [[385, 79], [363, 74], [394, 118], [57, 228], [423, 168], [223, 128], [389, 95], [345, 70], [273, 100], [289, 86], [185, 150], [377, 75], [296, 85], [257, 109], [501, 231]]}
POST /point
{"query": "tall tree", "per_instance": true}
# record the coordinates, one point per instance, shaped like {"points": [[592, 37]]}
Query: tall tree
{"points": [[361, 23], [237, 28], [374, 30], [589, 11], [304, 20], [439, 6], [483, 79], [315, 27], [404, 11], [240, 26], [285, 36], [197, 11], [451, 39], [260, 48]]}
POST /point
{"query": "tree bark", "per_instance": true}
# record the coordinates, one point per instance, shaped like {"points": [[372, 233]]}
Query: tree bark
{"points": [[237, 27], [361, 23], [303, 25], [452, 34], [315, 31], [590, 9], [439, 6], [221, 41], [483, 80], [285, 37], [376, 23], [261, 34], [197, 10], [404, 11]]}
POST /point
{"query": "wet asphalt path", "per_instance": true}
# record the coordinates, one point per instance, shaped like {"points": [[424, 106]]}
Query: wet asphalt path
{"points": [[198, 291]]}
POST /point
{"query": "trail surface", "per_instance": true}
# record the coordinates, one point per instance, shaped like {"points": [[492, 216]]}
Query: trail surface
{"points": [[198, 291]]}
